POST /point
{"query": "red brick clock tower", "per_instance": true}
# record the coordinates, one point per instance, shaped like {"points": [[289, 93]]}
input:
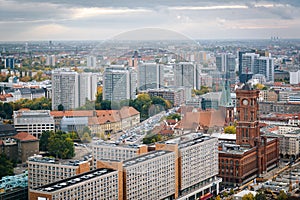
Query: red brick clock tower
{"points": [[247, 130]]}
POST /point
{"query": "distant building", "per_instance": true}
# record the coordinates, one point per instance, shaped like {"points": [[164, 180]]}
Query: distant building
{"points": [[33, 121], [226, 63], [71, 89], [295, 77], [119, 83], [150, 76], [185, 75], [176, 96], [9, 62], [91, 61], [51, 60]]}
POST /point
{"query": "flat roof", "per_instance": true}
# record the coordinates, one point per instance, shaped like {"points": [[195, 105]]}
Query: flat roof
{"points": [[144, 157], [39, 159], [188, 139], [73, 180], [130, 146]]}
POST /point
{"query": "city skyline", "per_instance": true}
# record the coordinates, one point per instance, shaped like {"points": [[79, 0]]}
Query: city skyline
{"points": [[64, 20]]}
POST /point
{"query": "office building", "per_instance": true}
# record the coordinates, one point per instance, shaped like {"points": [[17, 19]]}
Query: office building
{"points": [[71, 89], [265, 66], [119, 83], [226, 64], [185, 74], [42, 171], [150, 76], [243, 76], [96, 184], [33, 122]]}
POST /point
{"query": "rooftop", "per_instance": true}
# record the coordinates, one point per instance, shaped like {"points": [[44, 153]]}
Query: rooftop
{"points": [[49, 160], [73, 180], [144, 157], [130, 146]]}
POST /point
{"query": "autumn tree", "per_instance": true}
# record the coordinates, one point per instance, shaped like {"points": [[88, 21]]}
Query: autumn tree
{"points": [[282, 195], [248, 196], [230, 130]]}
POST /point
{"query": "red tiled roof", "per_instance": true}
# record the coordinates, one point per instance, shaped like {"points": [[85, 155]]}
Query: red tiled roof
{"points": [[24, 136], [73, 113], [105, 116], [127, 111], [210, 118]]}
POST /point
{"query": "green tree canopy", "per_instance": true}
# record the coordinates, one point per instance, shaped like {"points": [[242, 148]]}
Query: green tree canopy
{"points": [[44, 140], [282, 195], [174, 116], [260, 196], [6, 166], [61, 146]]}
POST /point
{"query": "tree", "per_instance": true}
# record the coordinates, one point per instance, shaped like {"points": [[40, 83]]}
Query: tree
{"points": [[218, 198], [230, 130], [60, 107], [248, 196], [231, 191], [174, 116], [8, 109], [44, 140], [282, 195], [105, 105], [85, 134], [61, 146], [260, 196], [6, 166]]}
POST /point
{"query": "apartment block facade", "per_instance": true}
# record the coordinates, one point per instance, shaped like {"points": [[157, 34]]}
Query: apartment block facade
{"points": [[42, 171]]}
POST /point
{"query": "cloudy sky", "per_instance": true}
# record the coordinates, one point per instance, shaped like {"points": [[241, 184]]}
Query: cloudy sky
{"points": [[102, 19]]}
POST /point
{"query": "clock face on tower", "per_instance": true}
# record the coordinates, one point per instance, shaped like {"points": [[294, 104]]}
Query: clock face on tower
{"points": [[245, 102]]}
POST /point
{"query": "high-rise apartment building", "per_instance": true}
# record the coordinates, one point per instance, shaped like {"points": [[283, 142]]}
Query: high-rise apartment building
{"points": [[91, 61], [9, 62], [65, 89], [150, 76], [71, 89], [185, 74], [51, 60], [119, 83], [87, 83], [33, 122]]}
